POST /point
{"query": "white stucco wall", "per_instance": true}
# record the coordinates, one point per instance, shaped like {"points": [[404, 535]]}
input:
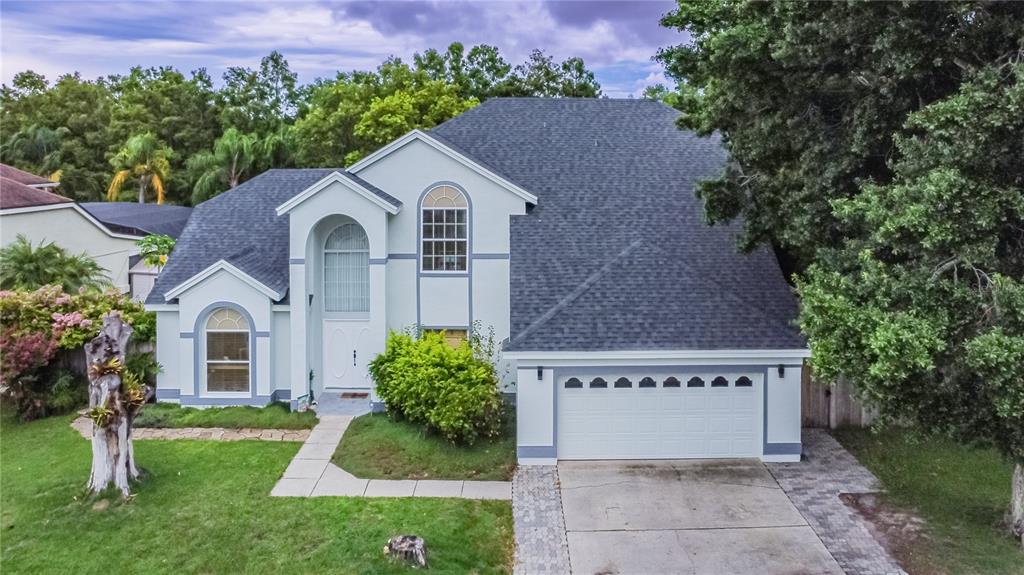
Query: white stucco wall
{"points": [[784, 404], [74, 232], [168, 340], [280, 352], [194, 306], [444, 300], [309, 224]]}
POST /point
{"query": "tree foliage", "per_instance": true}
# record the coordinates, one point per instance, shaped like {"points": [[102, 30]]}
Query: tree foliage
{"points": [[808, 95], [881, 146], [27, 267], [258, 119]]}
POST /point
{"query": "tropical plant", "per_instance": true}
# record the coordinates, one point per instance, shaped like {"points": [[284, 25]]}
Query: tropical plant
{"points": [[155, 249], [233, 157], [25, 267], [145, 159], [36, 147]]}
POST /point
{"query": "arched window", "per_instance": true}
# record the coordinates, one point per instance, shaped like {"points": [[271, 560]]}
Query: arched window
{"points": [[445, 230], [598, 382], [623, 382], [670, 382], [648, 382], [347, 270], [744, 381], [719, 382], [695, 382], [227, 351], [573, 383]]}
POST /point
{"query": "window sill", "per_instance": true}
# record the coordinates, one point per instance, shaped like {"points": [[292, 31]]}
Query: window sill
{"points": [[433, 274]]}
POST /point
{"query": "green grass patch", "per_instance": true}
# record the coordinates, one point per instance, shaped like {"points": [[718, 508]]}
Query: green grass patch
{"points": [[961, 493], [273, 416], [205, 508], [379, 447]]}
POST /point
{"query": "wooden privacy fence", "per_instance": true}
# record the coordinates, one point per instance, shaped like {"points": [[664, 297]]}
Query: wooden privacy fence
{"points": [[73, 360], [831, 406]]}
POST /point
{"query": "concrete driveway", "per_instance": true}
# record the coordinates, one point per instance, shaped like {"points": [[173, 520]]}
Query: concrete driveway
{"points": [[699, 516]]}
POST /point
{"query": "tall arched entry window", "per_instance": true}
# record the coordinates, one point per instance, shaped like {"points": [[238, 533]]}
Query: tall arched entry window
{"points": [[445, 230], [347, 270]]}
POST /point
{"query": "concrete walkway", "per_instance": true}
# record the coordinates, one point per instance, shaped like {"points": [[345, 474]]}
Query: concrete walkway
{"points": [[311, 474]]}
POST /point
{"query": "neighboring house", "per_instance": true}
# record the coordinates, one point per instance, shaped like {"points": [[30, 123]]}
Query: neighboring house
{"points": [[571, 227], [140, 220], [107, 234]]}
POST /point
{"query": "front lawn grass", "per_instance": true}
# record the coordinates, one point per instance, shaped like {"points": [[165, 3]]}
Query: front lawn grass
{"points": [[273, 416], [376, 446], [961, 493], [206, 508]]}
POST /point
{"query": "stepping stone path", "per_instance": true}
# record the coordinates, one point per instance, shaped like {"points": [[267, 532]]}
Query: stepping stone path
{"points": [[311, 474], [83, 425]]}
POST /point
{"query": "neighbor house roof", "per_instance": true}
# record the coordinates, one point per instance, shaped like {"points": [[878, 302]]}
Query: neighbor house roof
{"points": [[616, 254], [14, 194], [140, 219], [23, 177]]}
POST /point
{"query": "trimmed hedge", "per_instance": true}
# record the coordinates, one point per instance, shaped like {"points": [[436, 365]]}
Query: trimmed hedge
{"points": [[450, 389]]}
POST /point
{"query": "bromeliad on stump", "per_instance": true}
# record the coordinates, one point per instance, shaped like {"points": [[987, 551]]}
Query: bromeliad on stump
{"points": [[115, 398]]}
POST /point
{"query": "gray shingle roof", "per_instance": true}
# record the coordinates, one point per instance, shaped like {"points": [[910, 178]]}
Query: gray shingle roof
{"points": [[140, 219], [242, 227], [616, 254]]}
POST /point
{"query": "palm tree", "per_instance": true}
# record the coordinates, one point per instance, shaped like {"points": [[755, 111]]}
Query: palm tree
{"points": [[234, 155], [36, 146], [25, 267], [145, 158]]}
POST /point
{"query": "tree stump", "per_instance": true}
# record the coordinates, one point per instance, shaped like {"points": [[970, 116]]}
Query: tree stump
{"points": [[115, 398], [409, 548]]}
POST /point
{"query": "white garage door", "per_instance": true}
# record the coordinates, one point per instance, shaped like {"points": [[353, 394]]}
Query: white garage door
{"points": [[659, 415]]}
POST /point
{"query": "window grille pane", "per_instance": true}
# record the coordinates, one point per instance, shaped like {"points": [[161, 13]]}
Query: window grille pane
{"points": [[230, 345], [227, 376], [347, 270]]}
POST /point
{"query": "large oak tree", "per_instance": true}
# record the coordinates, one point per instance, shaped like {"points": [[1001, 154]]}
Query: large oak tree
{"points": [[880, 148]]}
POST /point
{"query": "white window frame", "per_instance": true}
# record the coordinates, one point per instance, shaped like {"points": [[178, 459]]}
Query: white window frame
{"points": [[431, 203], [355, 315], [247, 362]]}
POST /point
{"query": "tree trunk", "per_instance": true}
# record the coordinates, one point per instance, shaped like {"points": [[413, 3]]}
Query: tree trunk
{"points": [[112, 408], [142, 189], [1017, 505]]}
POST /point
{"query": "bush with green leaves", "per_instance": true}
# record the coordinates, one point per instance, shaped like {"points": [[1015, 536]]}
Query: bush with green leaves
{"points": [[27, 267], [449, 389], [155, 249]]}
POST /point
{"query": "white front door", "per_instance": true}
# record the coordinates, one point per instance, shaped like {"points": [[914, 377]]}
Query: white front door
{"points": [[347, 350], [655, 414]]}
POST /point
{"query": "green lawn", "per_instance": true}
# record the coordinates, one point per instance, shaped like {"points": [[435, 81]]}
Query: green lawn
{"points": [[378, 447], [206, 509], [273, 416], [962, 494]]}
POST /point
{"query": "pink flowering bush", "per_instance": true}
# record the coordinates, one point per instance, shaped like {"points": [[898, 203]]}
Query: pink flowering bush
{"points": [[37, 324]]}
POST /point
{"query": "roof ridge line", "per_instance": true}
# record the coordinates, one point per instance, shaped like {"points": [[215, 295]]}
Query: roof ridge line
{"points": [[730, 293], [577, 292]]}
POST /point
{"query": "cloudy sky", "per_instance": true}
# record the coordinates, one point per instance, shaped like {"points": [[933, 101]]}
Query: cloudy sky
{"points": [[616, 38]]}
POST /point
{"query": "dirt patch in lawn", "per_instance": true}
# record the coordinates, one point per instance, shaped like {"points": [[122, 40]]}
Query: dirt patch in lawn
{"points": [[900, 532]]}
